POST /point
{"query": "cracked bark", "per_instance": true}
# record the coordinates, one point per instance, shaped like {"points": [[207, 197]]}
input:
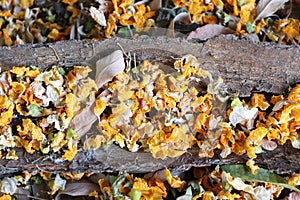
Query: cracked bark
{"points": [[244, 65]]}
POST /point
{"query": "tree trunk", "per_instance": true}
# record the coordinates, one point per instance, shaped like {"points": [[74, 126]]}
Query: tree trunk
{"points": [[244, 65]]}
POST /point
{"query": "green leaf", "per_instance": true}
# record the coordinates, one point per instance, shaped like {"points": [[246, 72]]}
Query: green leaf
{"points": [[223, 17], [226, 18], [135, 194], [117, 183], [37, 179], [262, 175], [241, 2], [236, 102], [226, 186], [219, 8], [50, 136], [124, 32], [258, 149], [51, 18], [61, 71], [70, 134], [33, 67], [88, 26], [34, 110], [2, 20], [45, 150], [249, 27]]}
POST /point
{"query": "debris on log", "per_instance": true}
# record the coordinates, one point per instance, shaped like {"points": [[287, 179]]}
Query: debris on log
{"points": [[244, 65]]}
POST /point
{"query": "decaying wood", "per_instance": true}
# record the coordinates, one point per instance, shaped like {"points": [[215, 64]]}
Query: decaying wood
{"points": [[244, 65]]}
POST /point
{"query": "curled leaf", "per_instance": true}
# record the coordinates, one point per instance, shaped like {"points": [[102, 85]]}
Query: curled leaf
{"points": [[266, 8], [108, 67], [98, 16], [8, 185], [174, 182], [241, 115]]}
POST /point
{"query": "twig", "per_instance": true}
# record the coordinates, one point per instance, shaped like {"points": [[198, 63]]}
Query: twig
{"points": [[37, 198], [55, 52]]}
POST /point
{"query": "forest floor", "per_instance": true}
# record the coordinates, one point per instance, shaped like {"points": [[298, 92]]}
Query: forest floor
{"points": [[250, 126]]}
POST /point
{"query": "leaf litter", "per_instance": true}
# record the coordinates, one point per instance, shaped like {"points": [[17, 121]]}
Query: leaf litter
{"points": [[144, 107], [55, 135]]}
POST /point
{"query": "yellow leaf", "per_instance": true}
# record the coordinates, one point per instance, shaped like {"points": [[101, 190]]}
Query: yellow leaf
{"points": [[11, 155], [259, 100], [6, 116], [58, 141], [70, 153], [5, 197], [174, 182], [7, 39], [151, 189]]}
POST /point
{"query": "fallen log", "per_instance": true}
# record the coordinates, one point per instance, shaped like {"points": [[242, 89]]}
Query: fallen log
{"points": [[244, 65]]}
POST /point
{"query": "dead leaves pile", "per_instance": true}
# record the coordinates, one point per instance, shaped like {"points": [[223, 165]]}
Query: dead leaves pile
{"points": [[143, 107], [145, 104], [225, 182], [37, 108]]}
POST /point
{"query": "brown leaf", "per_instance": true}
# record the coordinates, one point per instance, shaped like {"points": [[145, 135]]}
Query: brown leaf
{"points": [[77, 189], [155, 4], [268, 145], [83, 121], [106, 69], [209, 31], [183, 18], [266, 8]]}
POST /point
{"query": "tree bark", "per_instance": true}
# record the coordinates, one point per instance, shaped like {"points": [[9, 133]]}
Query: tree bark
{"points": [[245, 66]]}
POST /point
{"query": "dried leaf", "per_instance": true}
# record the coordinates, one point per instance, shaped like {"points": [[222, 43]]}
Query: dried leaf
{"points": [[183, 18], [77, 189], [83, 121], [174, 182], [106, 69], [98, 16], [209, 31], [8, 185], [242, 115], [268, 145], [57, 184], [266, 8], [155, 5]]}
